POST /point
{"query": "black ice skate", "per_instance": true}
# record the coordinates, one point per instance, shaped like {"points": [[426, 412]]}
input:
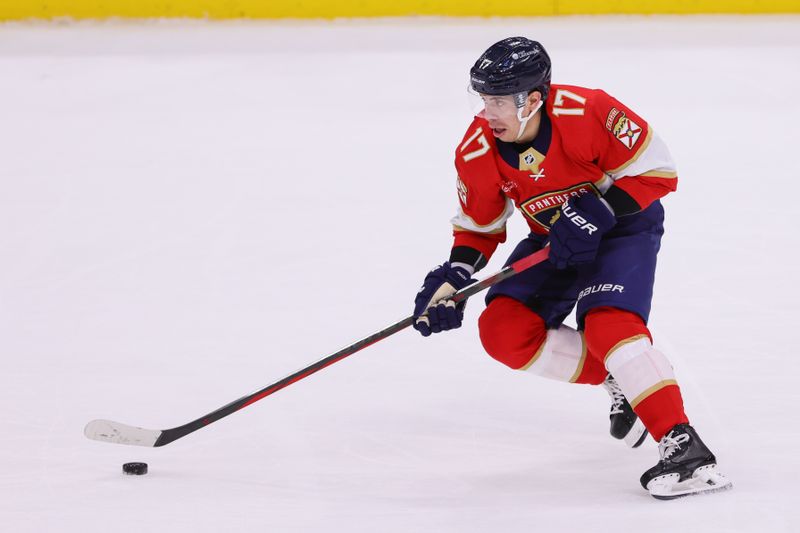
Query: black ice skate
{"points": [[686, 467], [625, 425]]}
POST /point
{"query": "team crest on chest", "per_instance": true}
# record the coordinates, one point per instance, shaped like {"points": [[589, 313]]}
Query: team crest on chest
{"points": [[624, 129], [545, 209]]}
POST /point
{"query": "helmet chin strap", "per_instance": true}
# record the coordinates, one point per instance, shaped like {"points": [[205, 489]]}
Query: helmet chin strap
{"points": [[523, 121]]}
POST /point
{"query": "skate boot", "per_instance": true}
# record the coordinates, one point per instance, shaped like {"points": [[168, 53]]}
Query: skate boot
{"points": [[625, 424], [686, 467]]}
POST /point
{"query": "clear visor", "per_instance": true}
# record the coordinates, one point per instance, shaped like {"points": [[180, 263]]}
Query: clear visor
{"points": [[488, 106]]}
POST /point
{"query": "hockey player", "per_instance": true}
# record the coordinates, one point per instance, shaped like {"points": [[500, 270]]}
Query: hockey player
{"points": [[586, 172]]}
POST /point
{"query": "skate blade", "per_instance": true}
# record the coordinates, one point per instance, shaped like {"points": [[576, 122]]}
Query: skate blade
{"points": [[704, 480], [636, 435]]}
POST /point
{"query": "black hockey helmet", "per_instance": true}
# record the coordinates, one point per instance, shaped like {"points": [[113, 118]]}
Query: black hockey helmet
{"points": [[512, 66]]}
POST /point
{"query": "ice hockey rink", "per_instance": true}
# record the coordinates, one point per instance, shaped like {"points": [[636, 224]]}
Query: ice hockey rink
{"points": [[190, 211]]}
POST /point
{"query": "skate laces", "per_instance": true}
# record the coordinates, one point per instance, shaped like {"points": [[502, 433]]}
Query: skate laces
{"points": [[669, 444], [617, 397]]}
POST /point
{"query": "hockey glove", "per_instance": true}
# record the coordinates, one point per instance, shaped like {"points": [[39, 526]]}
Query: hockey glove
{"points": [[575, 236], [430, 315]]}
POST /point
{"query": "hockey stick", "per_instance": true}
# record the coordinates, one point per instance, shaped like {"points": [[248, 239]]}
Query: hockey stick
{"points": [[117, 433]]}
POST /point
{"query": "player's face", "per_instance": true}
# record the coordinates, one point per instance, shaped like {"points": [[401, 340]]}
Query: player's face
{"points": [[509, 122], [501, 112]]}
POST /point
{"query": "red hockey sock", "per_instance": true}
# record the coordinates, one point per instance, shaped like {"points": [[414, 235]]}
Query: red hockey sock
{"points": [[510, 332], [605, 327], [593, 371], [661, 411]]}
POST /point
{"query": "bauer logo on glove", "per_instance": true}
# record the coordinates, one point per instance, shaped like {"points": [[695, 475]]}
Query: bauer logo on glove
{"points": [[575, 236]]}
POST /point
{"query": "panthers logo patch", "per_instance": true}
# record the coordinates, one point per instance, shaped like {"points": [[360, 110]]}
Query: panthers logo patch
{"points": [[545, 209]]}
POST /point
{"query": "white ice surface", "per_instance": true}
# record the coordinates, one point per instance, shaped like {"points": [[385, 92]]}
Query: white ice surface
{"points": [[190, 211]]}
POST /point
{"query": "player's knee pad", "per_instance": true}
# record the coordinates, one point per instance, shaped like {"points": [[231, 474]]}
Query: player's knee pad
{"points": [[605, 327], [518, 337], [510, 332]]}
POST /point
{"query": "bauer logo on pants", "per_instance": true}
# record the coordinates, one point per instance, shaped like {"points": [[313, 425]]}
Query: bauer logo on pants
{"points": [[602, 287]]}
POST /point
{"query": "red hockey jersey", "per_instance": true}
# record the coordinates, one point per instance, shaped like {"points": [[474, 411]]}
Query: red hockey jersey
{"points": [[597, 144]]}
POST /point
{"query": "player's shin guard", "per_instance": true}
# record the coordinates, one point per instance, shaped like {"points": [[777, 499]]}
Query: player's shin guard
{"points": [[646, 378], [517, 337], [621, 339]]}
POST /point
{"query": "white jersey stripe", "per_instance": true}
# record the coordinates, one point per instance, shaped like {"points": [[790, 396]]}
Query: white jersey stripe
{"points": [[464, 221], [654, 158]]}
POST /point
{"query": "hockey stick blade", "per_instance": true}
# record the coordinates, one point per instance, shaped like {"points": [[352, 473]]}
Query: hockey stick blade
{"points": [[118, 433]]}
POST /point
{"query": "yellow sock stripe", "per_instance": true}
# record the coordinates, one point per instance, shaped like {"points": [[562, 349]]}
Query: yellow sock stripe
{"points": [[622, 343], [584, 351], [652, 390]]}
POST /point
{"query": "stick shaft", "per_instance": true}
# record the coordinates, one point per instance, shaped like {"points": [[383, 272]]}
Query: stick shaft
{"points": [[169, 435]]}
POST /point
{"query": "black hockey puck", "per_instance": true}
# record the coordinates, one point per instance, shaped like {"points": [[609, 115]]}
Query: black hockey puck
{"points": [[135, 469]]}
